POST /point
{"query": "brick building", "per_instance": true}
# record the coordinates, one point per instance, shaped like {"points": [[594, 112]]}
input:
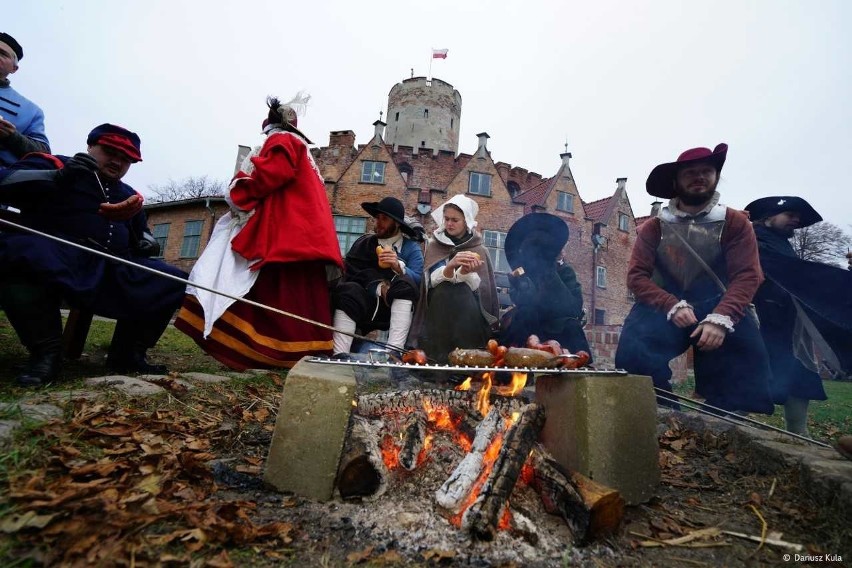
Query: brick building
{"points": [[415, 158], [183, 228]]}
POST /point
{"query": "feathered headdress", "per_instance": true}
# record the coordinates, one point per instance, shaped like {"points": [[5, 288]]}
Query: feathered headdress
{"points": [[286, 114]]}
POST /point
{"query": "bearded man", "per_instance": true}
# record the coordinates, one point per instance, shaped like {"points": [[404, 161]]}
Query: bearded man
{"points": [[693, 270], [381, 278]]}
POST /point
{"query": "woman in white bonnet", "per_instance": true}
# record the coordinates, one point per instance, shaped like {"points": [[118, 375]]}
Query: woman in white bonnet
{"points": [[458, 298]]}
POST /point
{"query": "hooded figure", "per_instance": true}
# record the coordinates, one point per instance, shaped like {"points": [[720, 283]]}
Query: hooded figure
{"points": [[458, 296], [796, 314], [277, 246], [547, 296]]}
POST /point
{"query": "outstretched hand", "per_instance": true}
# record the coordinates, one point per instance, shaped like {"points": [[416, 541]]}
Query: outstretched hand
{"points": [[121, 211]]}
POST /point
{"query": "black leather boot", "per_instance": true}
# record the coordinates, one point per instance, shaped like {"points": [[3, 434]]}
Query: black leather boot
{"points": [[133, 361], [44, 365], [33, 310], [130, 343]]}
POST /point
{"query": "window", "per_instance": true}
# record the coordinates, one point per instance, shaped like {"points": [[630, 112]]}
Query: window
{"points": [[480, 184], [564, 202], [600, 317], [161, 234], [397, 117], [495, 242], [601, 277], [514, 188], [372, 172], [426, 113], [622, 222], [191, 239], [348, 230]]}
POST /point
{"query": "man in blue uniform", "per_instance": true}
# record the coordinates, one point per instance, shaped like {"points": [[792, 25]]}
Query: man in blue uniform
{"points": [[21, 120], [82, 199]]}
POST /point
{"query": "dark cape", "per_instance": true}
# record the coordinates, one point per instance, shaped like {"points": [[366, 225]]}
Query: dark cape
{"points": [[451, 314], [801, 301]]}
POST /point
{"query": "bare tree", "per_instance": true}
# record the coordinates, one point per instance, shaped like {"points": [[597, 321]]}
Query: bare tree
{"points": [[822, 242], [189, 188]]}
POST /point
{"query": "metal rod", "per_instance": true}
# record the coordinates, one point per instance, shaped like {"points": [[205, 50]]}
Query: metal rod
{"points": [[202, 287], [739, 420]]}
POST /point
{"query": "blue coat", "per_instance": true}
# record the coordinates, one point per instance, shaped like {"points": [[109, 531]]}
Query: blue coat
{"points": [[86, 280]]}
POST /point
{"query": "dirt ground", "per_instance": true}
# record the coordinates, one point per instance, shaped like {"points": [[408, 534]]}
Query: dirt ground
{"points": [[176, 481]]}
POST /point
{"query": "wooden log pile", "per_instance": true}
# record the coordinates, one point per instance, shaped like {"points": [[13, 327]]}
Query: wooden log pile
{"points": [[589, 509]]}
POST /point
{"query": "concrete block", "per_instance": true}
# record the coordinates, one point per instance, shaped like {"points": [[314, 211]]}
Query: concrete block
{"points": [[603, 426], [310, 429]]}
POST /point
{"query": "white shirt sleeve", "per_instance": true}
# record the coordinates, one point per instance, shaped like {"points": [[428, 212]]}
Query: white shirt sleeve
{"points": [[472, 279]]}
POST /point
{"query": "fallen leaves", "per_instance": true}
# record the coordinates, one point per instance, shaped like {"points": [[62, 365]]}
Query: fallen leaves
{"points": [[110, 475]]}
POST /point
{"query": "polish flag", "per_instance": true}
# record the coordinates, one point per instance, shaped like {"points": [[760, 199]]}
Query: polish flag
{"points": [[439, 53]]}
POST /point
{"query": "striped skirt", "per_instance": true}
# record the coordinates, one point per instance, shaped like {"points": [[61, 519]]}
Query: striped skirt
{"points": [[248, 337]]}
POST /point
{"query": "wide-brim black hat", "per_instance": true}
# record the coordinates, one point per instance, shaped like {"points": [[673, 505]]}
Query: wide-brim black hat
{"points": [[661, 180], [766, 207], [393, 208], [552, 233]]}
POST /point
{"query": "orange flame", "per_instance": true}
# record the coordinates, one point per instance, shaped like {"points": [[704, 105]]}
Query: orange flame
{"points": [[506, 519], [483, 404], [465, 386], [390, 453], [519, 381]]}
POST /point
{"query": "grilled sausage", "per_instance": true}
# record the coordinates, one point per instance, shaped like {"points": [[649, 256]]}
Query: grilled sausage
{"points": [[471, 358]]}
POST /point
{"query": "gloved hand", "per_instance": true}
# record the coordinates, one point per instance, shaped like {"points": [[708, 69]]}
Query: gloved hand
{"points": [[121, 211], [147, 246], [76, 167]]}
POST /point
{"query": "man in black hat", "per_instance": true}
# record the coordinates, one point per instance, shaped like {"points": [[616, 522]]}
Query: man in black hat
{"points": [[795, 312], [82, 199], [21, 120], [693, 270], [381, 279], [547, 296]]}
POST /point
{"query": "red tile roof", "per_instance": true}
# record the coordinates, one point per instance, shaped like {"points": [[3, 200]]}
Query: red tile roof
{"points": [[597, 209]]}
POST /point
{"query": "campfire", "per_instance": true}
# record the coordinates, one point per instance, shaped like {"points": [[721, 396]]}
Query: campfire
{"points": [[495, 430]]}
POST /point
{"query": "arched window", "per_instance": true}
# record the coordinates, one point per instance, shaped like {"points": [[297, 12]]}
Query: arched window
{"points": [[514, 188], [406, 170]]}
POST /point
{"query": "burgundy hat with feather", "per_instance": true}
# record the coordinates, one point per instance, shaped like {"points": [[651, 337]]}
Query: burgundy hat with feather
{"points": [[661, 181]]}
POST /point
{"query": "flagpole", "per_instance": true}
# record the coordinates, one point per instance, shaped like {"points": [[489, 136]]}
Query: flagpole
{"points": [[431, 58]]}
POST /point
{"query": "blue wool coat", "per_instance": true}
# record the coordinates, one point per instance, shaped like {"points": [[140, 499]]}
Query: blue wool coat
{"points": [[85, 280]]}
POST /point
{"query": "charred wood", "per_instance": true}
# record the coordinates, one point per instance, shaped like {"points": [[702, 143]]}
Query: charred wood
{"points": [[482, 517], [362, 471], [590, 509], [415, 434], [457, 487], [378, 404]]}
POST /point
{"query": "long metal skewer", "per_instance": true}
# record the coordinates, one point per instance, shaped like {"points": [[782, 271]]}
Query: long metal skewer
{"points": [[200, 286], [721, 413]]}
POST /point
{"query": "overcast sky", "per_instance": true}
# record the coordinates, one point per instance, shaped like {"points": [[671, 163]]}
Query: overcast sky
{"points": [[629, 84]]}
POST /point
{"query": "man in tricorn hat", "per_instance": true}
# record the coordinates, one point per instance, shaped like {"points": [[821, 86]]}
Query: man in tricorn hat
{"points": [[801, 304], [547, 296], [693, 270], [21, 120], [382, 278], [83, 200]]}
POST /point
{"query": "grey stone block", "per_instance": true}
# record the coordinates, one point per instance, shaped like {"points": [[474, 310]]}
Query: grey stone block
{"points": [[310, 429], [605, 427], [127, 385], [205, 378]]}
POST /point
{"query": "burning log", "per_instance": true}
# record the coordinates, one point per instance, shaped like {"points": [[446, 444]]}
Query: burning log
{"points": [[379, 404], [362, 471], [415, 434], [482, 517], [590, 509], [456, 488]]}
